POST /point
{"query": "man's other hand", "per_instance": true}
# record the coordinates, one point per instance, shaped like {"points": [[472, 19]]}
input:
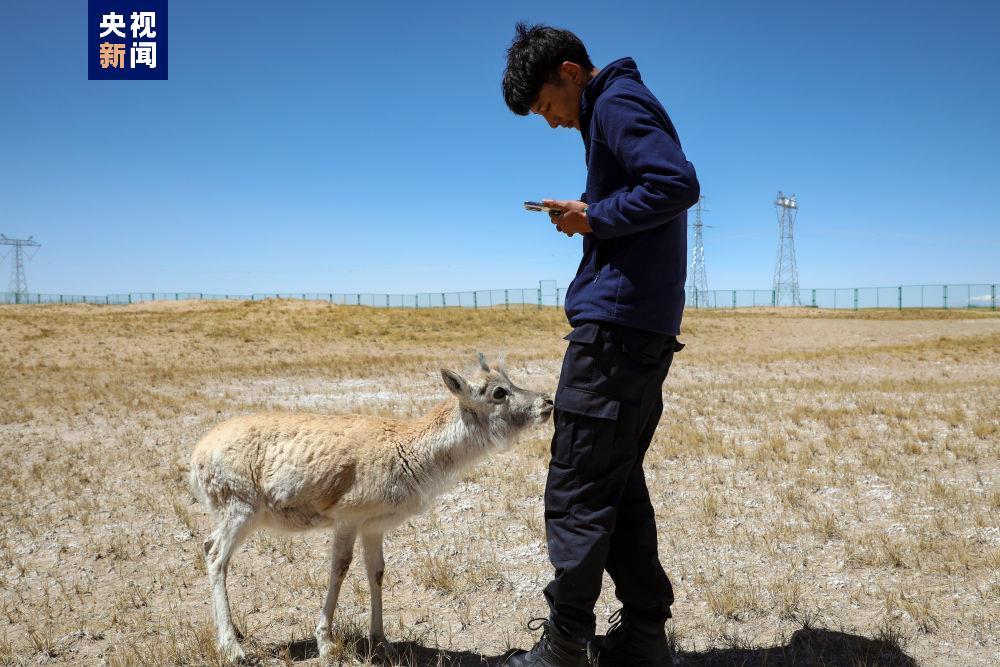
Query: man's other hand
{"points": [[572, 219]]}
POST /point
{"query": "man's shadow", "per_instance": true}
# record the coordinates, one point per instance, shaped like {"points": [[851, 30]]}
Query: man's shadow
{"points": [[808, 646]]}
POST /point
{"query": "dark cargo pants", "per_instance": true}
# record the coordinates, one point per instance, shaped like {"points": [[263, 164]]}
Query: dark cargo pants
{"points": [[598, 515]]}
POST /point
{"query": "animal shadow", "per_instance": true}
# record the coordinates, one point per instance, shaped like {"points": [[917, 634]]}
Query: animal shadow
{"points": [[809, 647], [405, 654]]}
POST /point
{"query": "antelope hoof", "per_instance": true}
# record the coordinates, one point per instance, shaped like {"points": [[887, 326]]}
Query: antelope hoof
{"points": [[232, 652], [383, 649], [327, 649]]}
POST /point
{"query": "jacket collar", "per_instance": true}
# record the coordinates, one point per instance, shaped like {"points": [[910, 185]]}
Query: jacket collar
{"points": [[597, 85]]}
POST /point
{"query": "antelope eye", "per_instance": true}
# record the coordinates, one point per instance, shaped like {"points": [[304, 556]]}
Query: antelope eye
{"points": [[499, 393]]}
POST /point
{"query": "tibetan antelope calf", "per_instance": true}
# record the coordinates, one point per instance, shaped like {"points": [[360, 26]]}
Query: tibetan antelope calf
{"points": [[358, 475]]}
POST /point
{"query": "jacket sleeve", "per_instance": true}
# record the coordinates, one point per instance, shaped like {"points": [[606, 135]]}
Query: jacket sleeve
{"points": [[666, 182]]}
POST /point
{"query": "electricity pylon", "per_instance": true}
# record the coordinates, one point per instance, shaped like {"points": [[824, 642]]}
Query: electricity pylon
{"points": [[698, 279], [786, 272], [18, 281]]}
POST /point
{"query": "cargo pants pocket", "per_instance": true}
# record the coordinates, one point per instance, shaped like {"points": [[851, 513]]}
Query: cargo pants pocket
{"points": [[587, 425], [648, 349]]}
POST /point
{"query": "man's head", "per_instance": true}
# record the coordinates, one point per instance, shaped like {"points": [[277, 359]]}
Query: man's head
{"points": [[547, 69]]}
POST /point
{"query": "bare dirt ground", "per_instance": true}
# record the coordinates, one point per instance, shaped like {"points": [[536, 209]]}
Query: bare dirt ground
{"points": [[826, 485]]}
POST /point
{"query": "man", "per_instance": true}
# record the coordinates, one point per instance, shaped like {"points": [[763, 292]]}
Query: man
{"points": [[625, 307]]}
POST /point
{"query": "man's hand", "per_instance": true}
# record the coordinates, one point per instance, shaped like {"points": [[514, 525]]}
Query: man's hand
{"points": [[572, 219]]}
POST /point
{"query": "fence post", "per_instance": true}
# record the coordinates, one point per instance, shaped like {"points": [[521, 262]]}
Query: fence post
{"points": [[993, 297], [814, 297], [506, 299], [774, 297], [944, 290], [475, 300], [359, 298], [855, 298], [130, 298], [899, 297], [734, 298]]}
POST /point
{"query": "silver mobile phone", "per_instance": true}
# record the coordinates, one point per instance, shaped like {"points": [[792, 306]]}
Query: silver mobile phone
{"points": [[538, 206]]}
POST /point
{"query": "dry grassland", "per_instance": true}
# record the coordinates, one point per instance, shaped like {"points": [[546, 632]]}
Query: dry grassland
{"points": [[826, 484]]}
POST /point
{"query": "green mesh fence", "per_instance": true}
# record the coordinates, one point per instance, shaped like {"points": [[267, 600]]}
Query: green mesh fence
{"points": [[548, 295]]}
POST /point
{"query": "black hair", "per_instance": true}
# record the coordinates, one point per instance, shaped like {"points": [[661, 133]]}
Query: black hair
{"points": [[533, 58]]}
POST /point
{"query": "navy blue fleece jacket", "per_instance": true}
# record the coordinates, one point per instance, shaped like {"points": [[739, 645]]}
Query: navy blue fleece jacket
{"points": [[639, 187]]}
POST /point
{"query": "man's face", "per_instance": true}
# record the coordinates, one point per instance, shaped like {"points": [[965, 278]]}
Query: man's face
{"points": [[559, 102]]}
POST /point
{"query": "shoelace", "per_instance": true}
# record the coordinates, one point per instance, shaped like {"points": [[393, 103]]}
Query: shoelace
{"points": [[615, 622], [540, 623], [536, 624]]}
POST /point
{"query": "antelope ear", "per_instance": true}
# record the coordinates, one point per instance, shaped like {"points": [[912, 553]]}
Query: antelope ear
{"points": [[456, 383], [482, 362], [502, 365]]}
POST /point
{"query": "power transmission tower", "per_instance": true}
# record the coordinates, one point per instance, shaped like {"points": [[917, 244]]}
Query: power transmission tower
{"points": [[786, 272], [698, 279], [18, 281]]}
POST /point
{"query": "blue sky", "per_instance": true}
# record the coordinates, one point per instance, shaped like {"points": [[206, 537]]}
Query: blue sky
{"points": [[318, 146]]}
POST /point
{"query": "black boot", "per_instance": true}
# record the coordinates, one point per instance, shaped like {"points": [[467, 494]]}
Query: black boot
{"points": [[633, 640], [554, 649]]}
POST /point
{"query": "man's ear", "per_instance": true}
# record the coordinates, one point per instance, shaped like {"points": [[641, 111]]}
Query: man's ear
{"points": [[571, 71], [456, 383]]}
